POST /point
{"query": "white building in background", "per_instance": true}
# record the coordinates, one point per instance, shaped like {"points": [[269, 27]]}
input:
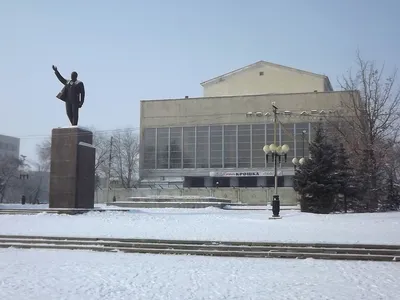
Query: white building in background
{"points": [[9, 146]]}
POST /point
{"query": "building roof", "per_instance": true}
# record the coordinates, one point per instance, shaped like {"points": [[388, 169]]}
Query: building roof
{"points": [[259, 64]]}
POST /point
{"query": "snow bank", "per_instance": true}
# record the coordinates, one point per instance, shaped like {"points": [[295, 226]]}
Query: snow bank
{"points": [[212, 224], [76, 275]]}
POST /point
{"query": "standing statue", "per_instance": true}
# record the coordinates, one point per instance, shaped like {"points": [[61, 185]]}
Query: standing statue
{"points": [[70, 95]]}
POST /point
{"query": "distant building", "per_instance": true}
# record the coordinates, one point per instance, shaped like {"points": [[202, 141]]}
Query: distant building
{"points": [[9, 146]]}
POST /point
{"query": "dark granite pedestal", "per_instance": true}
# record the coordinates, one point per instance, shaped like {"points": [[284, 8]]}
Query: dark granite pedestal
{"points": [[72, 169]]}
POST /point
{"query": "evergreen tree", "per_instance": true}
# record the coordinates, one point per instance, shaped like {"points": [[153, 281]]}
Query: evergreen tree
{"points": [[370, 184], [348, 183], [392, 201], [316, 180]]}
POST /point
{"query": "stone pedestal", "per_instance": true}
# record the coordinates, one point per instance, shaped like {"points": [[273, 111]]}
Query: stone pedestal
{"points": [[72, 169]]}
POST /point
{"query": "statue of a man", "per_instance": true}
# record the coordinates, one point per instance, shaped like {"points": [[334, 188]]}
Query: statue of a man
{"points": [[73, 94]]}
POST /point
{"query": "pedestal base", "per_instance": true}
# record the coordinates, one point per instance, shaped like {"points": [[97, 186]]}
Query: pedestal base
{"points": [[72, 169]]}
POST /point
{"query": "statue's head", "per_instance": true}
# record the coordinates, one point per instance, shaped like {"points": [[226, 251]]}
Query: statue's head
{"points": [[74, 76]]}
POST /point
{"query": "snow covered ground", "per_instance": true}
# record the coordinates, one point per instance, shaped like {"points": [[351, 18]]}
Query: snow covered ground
{"points": [[70, 275], [212, 224]]}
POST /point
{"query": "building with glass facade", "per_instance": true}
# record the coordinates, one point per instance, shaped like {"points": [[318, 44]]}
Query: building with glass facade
{"points": [[223, 155], [217, 140]]}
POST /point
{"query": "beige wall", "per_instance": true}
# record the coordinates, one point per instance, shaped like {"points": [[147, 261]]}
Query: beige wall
{"points": [[275, 79], [232, 110], [255, 196]]}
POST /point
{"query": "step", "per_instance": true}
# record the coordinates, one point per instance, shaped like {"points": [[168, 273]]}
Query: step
{"points": [[168, 204], [178, 199]]}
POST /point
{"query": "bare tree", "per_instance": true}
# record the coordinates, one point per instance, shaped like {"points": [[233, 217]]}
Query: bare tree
{"points": [[371, 126], [125, 155], [37, 185], [100, 141], [8, 174], [43, 151], [125, 158]]}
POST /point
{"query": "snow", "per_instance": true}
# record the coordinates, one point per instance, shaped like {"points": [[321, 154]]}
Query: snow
{"points": [[212, 224], [76, 275], [86, 145], [26, 206], [14, 206], [175, 197]]}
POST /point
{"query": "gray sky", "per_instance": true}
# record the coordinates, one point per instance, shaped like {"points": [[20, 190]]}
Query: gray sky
{"points": [[127, 50]]}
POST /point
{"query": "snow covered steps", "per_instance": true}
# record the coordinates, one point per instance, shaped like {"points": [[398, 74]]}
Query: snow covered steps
{"points": [[34, 211], [209, 248], [172, 202]]}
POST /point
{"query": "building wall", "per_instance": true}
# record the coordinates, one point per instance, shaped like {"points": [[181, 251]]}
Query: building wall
{"points": [[265, 79], [252, 196], [187, 122], [233, 109], [9, 146]]}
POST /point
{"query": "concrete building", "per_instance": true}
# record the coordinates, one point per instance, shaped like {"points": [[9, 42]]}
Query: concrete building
{"points": [[217, 140], [9, 146], [265, 78]]}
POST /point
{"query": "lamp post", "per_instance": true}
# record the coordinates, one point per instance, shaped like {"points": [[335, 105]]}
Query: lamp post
{"points": [[23, 175], [277, 153]]}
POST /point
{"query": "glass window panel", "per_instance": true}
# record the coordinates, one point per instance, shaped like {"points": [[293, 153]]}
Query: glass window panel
{"points": [[149, 148], [258, 142], [230, 146], [175, 160], [302, 136], [216, 146], [202, 147], [162, 148], [189, 147], [287, 137], [244, 146]]}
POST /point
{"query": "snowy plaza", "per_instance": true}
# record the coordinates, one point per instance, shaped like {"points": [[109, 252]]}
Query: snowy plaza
{"points": [[63, 274]]}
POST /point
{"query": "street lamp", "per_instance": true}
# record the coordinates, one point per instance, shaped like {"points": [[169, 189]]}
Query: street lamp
{"points": [[277, 153], [23, 175], [298, 162]]}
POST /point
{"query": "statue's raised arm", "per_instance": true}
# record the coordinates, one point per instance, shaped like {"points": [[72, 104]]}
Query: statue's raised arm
{"points": [[59, 76]]}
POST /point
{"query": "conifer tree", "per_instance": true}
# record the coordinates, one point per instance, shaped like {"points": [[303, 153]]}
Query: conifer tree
{"points": [[316, 180], [348, 185]]}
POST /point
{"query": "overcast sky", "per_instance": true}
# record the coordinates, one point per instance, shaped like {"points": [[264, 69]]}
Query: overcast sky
{"points": [[129, 50]]}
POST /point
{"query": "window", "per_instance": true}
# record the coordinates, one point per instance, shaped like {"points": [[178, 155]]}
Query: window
{"points": [[216, 146], [258, 142], [202, 147], [162, 148], [175, 159], [261, 73], [230, 146], [149, 148], [287, 137], [244, 137], [302, 139], [270, 139], [189, 147]]}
